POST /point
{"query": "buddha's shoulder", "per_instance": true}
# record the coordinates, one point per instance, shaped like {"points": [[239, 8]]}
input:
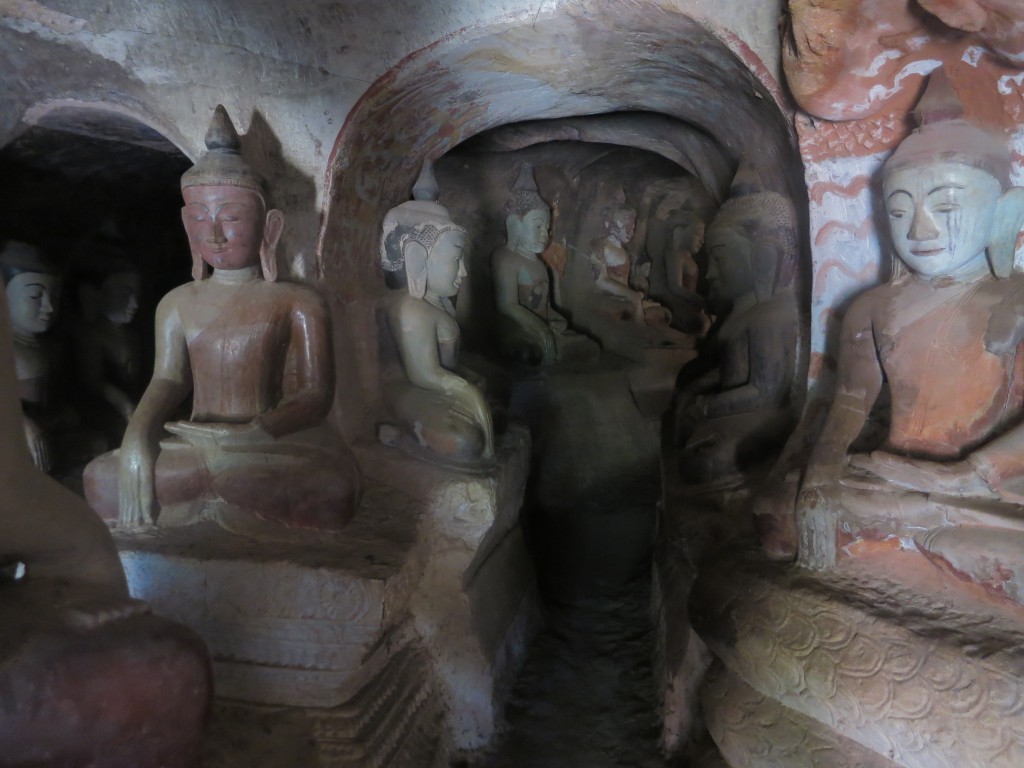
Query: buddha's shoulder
{"points": [[1009, 286], [406, 307]]}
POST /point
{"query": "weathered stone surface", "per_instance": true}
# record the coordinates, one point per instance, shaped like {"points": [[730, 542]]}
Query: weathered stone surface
{"points": [[433, 579], [926, 682], [847, 59], [756, 731]]}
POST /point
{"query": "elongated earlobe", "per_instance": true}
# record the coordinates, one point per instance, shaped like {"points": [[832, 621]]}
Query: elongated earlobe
{"points": [[1006, 225], [199, 271], [512, 226], [272, 230], [416, 269]]}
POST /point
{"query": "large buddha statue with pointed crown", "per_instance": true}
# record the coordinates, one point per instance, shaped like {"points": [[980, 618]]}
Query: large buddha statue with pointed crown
{"points": [[255, 355], [945, 337], [441, 413], [529, 327]]}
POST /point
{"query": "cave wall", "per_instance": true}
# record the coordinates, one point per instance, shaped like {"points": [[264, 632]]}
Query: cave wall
{"points": [[339, 103]]}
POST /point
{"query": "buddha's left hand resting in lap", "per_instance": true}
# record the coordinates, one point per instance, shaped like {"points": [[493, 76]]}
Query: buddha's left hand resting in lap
{"points": [[256, 356]]}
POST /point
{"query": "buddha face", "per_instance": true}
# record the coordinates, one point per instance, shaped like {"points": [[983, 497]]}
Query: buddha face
{"points": [[623, 225], [530, 233], [730, 272], [224, 225], [33, 299], [445, 265], [941, 217], [121, 297]]}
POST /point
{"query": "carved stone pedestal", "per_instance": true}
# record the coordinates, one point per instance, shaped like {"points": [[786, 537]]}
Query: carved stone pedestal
{"points": [[387, 644], [884, 663]]}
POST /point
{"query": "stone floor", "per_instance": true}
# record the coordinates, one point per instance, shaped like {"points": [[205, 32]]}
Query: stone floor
{"points": [[586, 697]]}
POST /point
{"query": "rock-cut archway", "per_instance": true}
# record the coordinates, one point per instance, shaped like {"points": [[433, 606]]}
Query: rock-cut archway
{"points": [[642, 76]]}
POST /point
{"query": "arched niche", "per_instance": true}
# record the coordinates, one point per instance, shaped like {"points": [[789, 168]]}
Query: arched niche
{"points": [[75, 171], [97, 189], [697, 100]]}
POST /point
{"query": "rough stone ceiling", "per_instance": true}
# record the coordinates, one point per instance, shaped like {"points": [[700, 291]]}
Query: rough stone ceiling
{"points": [[93, 144]]}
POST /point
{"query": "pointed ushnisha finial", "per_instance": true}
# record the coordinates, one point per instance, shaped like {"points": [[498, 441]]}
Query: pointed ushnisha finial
{"points": [[525, 197], [939, 101], [425, 187], [221, 136], [223, 164], [945, 135]]}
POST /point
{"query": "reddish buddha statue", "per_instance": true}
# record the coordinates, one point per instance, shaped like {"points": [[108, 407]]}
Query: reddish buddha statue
{"points": [[256, 356]]}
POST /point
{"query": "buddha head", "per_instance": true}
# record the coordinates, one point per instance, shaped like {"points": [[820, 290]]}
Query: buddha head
{"points": [[225, 213], [110, 288], [948, 196], [33, 287], [748, 244], [421, 241], [620, 223], [527, 216], [119, 296], [730, 266]]}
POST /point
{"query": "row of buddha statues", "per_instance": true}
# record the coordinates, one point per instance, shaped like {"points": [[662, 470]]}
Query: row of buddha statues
{"points": [[253, 355], [106, 353]]}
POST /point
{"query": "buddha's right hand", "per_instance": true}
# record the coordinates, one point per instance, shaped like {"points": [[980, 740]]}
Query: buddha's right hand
{"points": [[136, 486], [38, 446]]}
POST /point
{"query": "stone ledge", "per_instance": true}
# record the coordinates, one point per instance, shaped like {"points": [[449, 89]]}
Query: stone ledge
{"points": [[295, 622], [930, 685]]}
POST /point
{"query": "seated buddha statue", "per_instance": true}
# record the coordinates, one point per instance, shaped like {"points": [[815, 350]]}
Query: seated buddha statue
{"points": [[945, 337], [674, 238], [106, 345], [737, 414], [33, 287], [87, 675], [613, 270], [529, 327], [255, 354], [441, 413]]}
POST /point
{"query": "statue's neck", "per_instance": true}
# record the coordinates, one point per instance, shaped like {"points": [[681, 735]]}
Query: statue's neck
{"points": [[236, 276], [524, 254], [443, 304], [744, 302], [971, 272], [23, 339]]}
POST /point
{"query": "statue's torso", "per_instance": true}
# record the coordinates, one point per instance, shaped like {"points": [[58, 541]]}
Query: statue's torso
{"points": [[949, 392], [238, 340], [32, 367], [534, 285], [616, 261]]}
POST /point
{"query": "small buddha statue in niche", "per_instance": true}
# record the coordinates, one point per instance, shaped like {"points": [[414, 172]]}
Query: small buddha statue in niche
{"points": [[529, 327], [256, 356], [613, 269], [437, 407], [735, 416], [946, 335], [675, 237], [107, 349], [33, 288], [86, 673]]}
